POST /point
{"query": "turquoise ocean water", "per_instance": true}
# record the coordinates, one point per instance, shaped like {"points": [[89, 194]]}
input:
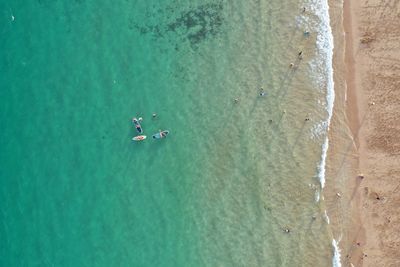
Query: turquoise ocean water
{"points": [[230, 177]]}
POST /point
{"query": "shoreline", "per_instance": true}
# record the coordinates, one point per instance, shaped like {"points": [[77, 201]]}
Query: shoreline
{"points": [[342, 160], [365, 166]]}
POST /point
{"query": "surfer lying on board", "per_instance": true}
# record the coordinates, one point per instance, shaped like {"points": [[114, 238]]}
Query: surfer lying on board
{"points": [[137, 125]]}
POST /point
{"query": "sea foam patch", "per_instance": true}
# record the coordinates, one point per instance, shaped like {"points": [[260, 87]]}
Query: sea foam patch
{"points": [[324, 65], [336, 254], [321, 67]]}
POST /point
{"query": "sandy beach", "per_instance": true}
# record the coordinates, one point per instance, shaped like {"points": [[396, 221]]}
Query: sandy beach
{"points": [[366, 169]]}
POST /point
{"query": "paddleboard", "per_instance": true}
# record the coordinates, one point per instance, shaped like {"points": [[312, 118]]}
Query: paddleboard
{"points": [[137, 125], [139, 138], [161, 134]]}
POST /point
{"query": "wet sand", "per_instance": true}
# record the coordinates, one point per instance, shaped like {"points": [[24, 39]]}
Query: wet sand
{"points": [[366, 166]]}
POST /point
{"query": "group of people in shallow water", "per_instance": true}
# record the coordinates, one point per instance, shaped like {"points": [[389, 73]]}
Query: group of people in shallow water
{"points": [[291, 65], [262, 94]]}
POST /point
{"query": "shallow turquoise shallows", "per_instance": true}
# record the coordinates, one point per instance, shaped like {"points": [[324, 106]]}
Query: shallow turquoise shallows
{"points": [[75, 190]]}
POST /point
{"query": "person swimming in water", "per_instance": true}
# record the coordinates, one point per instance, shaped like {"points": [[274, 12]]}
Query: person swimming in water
{"points": [[262, 92]]}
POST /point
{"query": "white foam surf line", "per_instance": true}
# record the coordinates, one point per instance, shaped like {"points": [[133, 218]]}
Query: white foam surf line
{"points": [[336, 254], [325, 49], [328, 45], [321, 166], [326, 217]]}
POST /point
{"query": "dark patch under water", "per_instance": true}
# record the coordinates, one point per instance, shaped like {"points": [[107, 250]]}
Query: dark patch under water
{"points": [[195, 25]]}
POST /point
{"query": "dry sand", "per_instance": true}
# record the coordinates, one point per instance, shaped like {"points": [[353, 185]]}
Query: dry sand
{"points": [[372, 104]]}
